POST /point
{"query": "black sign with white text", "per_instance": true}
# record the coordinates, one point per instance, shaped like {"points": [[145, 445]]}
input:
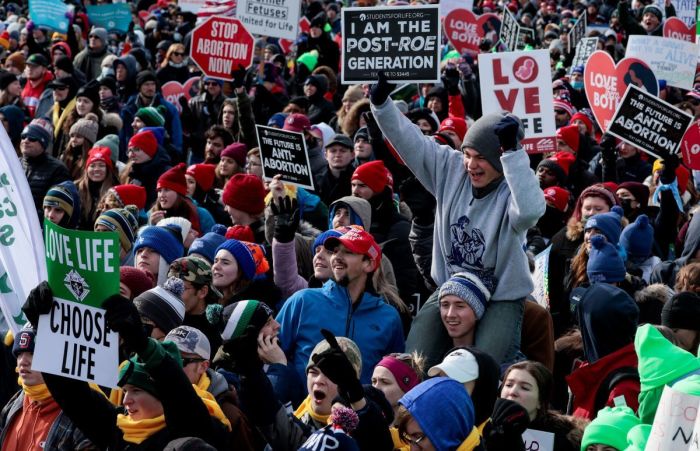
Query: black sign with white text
{"points": [[510, 31], [578, 32], [584, 49], [402, 42], [284, 152], [647, 122]]}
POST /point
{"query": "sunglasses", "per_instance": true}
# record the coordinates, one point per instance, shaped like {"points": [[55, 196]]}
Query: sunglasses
{"points": [[187, 361], [178, 54], [210, 83], [31, 139]]}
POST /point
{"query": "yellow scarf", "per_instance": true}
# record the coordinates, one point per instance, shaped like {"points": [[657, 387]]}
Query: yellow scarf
{"points": [[398, 443], [138, 431], [36, 393], [59, 119], [471, 442], [305, 407], [208, 399]]}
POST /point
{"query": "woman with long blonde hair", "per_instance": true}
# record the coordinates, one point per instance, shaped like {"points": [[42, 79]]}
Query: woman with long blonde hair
{"points": [[174, 66]]}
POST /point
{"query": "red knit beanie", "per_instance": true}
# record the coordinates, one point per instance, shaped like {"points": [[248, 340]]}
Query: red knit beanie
{"points": [[145, 141], [131, 195], [564, 160], [174, 179], [100, 153], [136, 279], [204, 174], [240, 233], [583, 118], [375, 175], [237, 151], [569, 134], [245, 192]]}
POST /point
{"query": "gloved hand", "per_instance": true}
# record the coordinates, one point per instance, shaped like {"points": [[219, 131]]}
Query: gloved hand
{"points": [[123, 317], [381, 90], [607, 144], [286, 213], [509, 420], [668, 174], [336, 366], [371, 123], [507, 132], [243, 351], [450, 78], [419, 200], [239, 76], [39, 302]]}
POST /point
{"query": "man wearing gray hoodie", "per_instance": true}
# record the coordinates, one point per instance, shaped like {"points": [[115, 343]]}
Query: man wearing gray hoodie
{"points": [[487, 198]]}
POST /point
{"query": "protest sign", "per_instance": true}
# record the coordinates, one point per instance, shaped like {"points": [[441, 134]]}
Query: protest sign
{"points": [[645, 121], [278, 18], [584, 50], [220, 45], [22, 264], [685, 9], [525, 36], [465, 30], [605, 83], [675, 28], [672, 60], [674, 421], [538, 440], [510, 29], [73, 340], [447, 6], [112, 16], [173, 90], [540, 277], [403, 42], [284, 152], [578, 32], [690, 146], [521, 83], [286, 44], [50, 14]]}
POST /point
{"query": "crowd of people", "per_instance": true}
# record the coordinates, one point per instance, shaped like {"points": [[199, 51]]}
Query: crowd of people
{"points": [[394, 306]]}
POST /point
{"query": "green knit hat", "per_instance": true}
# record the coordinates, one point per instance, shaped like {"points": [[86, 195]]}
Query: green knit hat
{"points": [[452, 54], [610, 428], [690, 385], [235, 318], [152, 117], [135, 373], [309, 59], [660, 361], [637, 437]]}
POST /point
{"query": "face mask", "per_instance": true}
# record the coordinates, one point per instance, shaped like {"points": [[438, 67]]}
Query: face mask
{"points": [[107, 71], [626, 205], [578, 85]]}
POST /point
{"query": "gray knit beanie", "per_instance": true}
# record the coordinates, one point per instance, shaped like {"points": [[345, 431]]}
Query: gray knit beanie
{"points": [[86, 128], [111, 141], [482, 138]]}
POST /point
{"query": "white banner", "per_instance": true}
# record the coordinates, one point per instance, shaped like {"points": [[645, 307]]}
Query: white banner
{"points": [[22, 264], [672, 60], [674, 421], [685, 9], [538, 440], [279, 19], [521, 82]]}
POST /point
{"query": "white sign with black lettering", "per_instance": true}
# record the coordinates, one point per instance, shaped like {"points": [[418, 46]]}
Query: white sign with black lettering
{"points": [[77, 344], [402, 42], [538, 440], [649, 123], [672, 60], [284, 153], [276, 18]]}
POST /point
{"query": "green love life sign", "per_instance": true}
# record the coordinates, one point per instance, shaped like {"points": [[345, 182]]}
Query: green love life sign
{"points": [[82, 266]]}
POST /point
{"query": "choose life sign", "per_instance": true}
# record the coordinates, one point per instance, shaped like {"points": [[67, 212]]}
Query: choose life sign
{"points": [[73, 340]]}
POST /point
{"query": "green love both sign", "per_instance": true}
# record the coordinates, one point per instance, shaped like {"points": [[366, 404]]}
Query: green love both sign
{"points": [[82, 266]]}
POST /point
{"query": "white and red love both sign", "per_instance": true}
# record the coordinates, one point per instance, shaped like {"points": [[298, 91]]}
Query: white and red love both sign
{"points": [[521, 83]]}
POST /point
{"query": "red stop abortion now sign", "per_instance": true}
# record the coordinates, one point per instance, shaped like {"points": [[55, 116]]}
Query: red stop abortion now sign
{"points": [[219, 45]]}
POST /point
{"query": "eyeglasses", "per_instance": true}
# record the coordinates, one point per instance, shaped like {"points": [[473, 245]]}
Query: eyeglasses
{"points": [[413, 441], [187, 361], [210, 83]]}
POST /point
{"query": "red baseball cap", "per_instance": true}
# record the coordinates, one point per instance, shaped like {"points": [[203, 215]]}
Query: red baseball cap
{"points": [[558, 196], [357, 241], [296, 122]]}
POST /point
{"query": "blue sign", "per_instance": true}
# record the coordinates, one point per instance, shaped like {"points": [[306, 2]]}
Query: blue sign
{"points": [[113, 17], [50, 14]]}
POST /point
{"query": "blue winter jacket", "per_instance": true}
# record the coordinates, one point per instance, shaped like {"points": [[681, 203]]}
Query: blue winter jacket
{"points": [[371, 323]]}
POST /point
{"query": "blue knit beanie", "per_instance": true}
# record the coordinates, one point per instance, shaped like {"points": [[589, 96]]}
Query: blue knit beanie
{"points": [[65, 196], [604, 262], [206, 245], [470, 289], [609, 224], [322, 237], [638, 238], [162, 240], [243, 256]]}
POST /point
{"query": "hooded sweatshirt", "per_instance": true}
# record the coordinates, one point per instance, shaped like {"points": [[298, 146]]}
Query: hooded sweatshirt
{"points": [[483, 235], [360, 211], [667, 271], [661, 363]]}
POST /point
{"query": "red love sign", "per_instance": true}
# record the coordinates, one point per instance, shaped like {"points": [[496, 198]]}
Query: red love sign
{"points": [[172, 91], [606, 83], [675, 28], [690, 146], [465, 30]]}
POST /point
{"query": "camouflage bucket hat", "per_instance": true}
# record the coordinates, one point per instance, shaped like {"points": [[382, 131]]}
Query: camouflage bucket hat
{"points": [[194, 270]]}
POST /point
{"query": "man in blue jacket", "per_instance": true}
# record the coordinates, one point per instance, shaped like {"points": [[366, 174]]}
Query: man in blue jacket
{"points": [[346, 305]]}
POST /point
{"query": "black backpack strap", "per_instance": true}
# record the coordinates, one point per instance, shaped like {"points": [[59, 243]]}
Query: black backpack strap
{"points": [[610, 381]]}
